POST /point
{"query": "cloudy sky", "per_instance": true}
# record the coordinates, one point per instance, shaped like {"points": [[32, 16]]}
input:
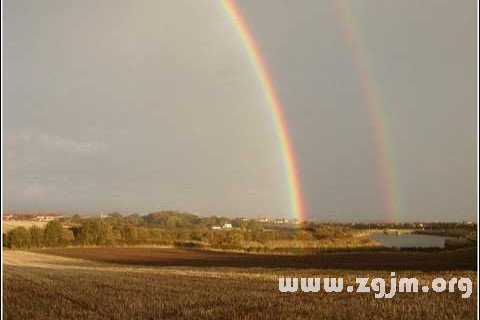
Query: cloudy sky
{"points": [[136, 106]]}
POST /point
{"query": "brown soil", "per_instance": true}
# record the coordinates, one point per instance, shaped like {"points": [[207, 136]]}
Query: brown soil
{"points": [[451, 260]]}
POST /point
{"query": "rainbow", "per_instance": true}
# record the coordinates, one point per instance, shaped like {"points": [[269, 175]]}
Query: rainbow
{"points": [[288, 152], [387, 170], [377, 115]]}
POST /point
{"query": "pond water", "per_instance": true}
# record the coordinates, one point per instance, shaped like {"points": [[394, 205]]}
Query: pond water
{"points": [[409, 240]]}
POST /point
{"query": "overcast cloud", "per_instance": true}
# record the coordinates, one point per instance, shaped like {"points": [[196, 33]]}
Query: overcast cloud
{"points": [[136, 106]]}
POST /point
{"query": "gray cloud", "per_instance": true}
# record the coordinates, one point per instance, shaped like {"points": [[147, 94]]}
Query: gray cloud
{"points": [[65, 144], [115, 106]]}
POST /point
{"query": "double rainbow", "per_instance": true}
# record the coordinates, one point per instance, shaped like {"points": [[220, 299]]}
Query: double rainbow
{"points": [[376, 111]]}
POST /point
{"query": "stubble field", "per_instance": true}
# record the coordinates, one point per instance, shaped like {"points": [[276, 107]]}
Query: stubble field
{"points": [[10, 224], [41, 286]]}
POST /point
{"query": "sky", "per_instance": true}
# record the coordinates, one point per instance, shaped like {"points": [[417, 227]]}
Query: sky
{"points": [[139, 106]]}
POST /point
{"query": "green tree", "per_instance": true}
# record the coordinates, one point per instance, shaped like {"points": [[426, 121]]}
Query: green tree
{"points": [[36, 237], [160, 236], [19, 237], [55, 234], [129, 234], [96, 232], [143, 235], [254, 225], [227, 239], [133, 219]]}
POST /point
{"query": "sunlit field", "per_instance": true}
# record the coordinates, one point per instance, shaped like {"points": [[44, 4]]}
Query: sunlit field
{"points": [[11, 224], [41, 286]]}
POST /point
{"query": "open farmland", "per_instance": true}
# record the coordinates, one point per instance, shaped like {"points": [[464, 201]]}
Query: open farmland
{"points": [[464, 259], [10, 224], [41, 286]]}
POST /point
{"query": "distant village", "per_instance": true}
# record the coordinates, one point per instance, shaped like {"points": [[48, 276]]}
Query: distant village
{"points": [[44, 216], [279, 222], [33, 216], [283, 221]]}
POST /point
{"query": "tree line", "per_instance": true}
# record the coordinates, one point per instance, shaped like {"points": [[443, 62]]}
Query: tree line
{"points": [[161, 228]]}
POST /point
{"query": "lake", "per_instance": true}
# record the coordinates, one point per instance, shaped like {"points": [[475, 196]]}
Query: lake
{"points": [[409, 240]]}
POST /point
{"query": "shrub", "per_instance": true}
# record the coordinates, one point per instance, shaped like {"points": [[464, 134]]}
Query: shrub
{"points": [[56, 235], [36, 237], [95, 232], [19, 237]]}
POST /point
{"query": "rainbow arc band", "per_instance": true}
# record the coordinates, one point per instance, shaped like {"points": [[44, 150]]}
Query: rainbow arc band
{"points": [[376, 111], [288, 152], [386, 166]]}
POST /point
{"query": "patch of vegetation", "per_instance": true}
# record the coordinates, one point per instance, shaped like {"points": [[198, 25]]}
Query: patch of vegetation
{"points": [[181, 229], [189, 230]]}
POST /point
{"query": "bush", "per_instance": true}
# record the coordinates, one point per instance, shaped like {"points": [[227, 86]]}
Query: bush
{"points": [[227, 240], [19, 238], [55, 235], [129, 234], [36, 237], [95, 232]]}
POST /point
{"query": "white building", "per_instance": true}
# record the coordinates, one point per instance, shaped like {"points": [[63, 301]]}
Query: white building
{"points": [[47, 217]]}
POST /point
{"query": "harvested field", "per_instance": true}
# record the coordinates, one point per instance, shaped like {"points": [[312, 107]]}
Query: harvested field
{"points": [[10, 224], [39, 286], [451, 260]]}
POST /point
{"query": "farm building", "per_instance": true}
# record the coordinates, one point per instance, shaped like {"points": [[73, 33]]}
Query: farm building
{"points": [[47, 217], [226, 225]]}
